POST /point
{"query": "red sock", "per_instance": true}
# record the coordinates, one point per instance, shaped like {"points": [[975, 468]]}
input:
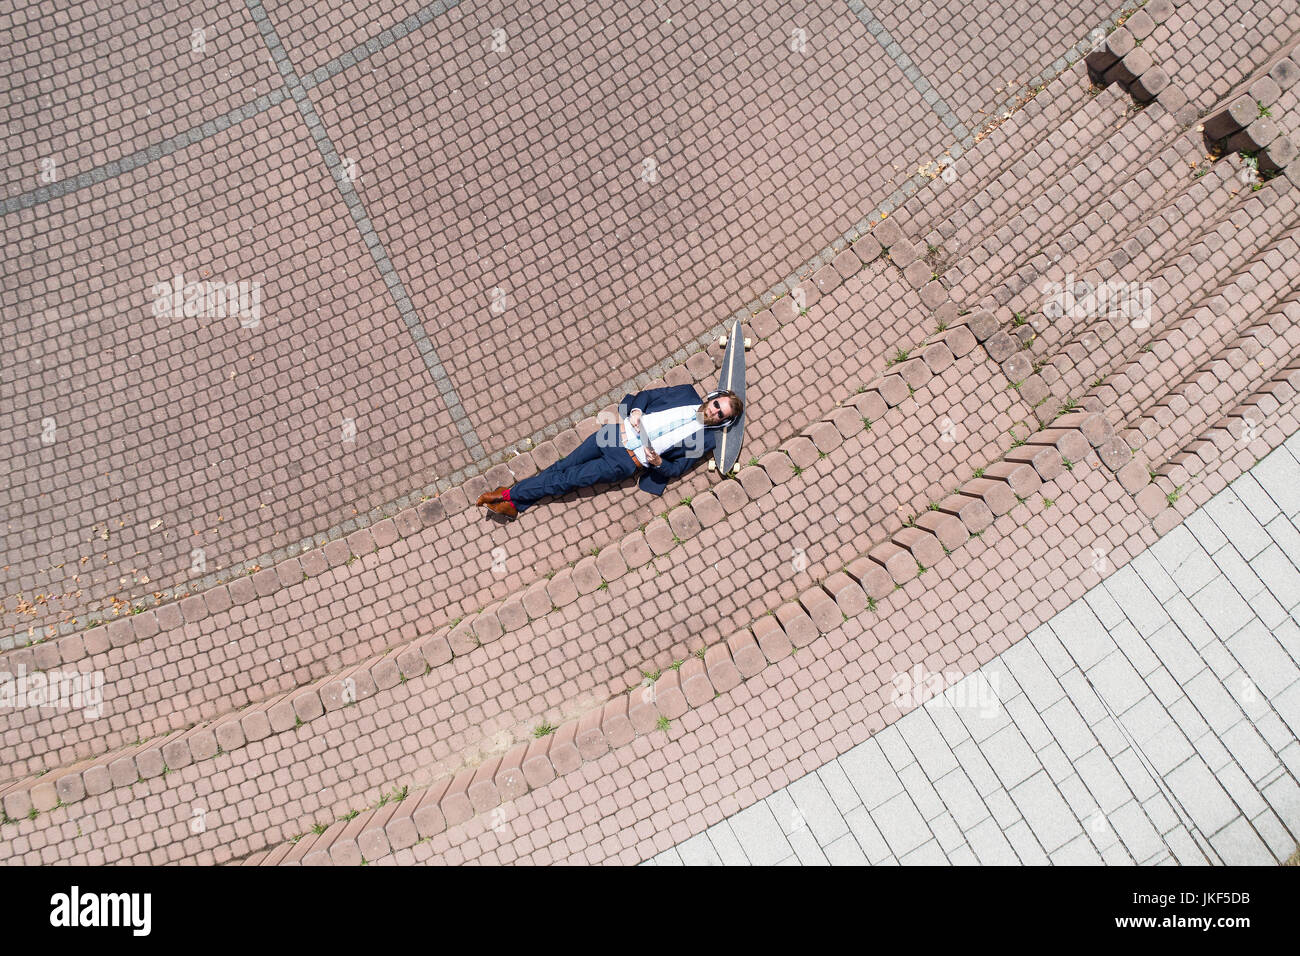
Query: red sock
{"points": [[505, 495]]}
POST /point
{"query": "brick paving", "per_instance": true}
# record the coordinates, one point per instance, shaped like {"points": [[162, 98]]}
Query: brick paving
{"points": [[418, 173], [933, 467], [1154, 720]]}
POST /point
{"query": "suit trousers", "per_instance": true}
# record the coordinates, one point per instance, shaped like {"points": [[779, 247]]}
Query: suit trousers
{"points": [[600, 458]]}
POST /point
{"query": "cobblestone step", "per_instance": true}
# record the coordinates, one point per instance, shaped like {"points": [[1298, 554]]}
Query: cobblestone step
{"points": [[261, 734], [1248, 296], [987, 225], [936, 208], [1242, 434], [872, 577], [286, 709], [1229, 370], [1212, 46], [396, 562], [1175, 275]]}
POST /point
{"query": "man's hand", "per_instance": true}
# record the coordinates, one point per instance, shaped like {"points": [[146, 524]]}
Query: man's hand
{"points": [[634, 419], [651, 456]]}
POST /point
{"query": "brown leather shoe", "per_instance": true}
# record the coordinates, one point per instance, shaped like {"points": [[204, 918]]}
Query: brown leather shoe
{"points": [[490, 496], [506, 508]]}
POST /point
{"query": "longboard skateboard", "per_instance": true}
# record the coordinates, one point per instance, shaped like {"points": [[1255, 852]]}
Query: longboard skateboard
{"points": [[727, 449]]}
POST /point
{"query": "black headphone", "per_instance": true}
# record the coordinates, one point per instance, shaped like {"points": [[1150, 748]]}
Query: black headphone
{"points": [[726, 422]]}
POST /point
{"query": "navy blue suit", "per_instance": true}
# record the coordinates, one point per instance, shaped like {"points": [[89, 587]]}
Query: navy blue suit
{"points": [[602, 457]]}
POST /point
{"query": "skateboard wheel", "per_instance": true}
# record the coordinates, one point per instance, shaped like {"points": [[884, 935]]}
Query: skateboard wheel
{"points": [[712, 464], [746, 343], [722, 342]]}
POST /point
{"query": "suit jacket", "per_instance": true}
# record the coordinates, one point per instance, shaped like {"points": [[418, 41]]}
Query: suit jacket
{"points": [[678, 459]]}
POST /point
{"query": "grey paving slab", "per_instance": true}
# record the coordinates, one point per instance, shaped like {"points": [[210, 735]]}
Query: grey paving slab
{"points": [[818, 808], [1250, 750], [1033, 675], [990, 844], [1189, 620], [1212, 751], [1145, 719], [901, 824], [1263, 659], [1132, 593], [1137, 774], [1206, 532], [1185, 849], [1055, 762], [1239, 845], [871, 774], [1161, 813], [922, 791], [1278, 475], [1078, 852], [1103, 779], [1223, 608], [699, 851], [948, 721], [1185, 714], [1236, 522], [726, 844], [1239, 573], [867, 834], [946, 831], [1213, 702], [1010, 757], [963, 856], [761, 836], [1204, 800], [1153, 721], [927, 743], [1176, 548], [1258, 502], [1133, 645], [1026, 845], [1028, 721], [1082, 634], [846, 852], [1283, 796], [1175, 652], [961, 799], [1068, 728], [1135, 830], [1286, 536], [928, 854], [1280, 841], [839, 786], [1287, 705], [1049, 647], [1099, 602], [894, 747], [807, 849], [1003, 808], [1167, 749], [1045, 810], [1117, 681], [977, 768], [1240, 788]]}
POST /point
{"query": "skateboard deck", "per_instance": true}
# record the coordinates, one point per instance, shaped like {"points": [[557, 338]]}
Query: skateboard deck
{"points": [[727, 449]]}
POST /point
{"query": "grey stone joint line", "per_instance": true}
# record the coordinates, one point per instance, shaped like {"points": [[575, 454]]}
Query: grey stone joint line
{"points": [[380, 255], [239, 114], [1174, 801]]}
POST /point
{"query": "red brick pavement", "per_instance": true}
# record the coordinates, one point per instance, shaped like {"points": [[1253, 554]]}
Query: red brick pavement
{"points": [[466, 171], [249, 815]]}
